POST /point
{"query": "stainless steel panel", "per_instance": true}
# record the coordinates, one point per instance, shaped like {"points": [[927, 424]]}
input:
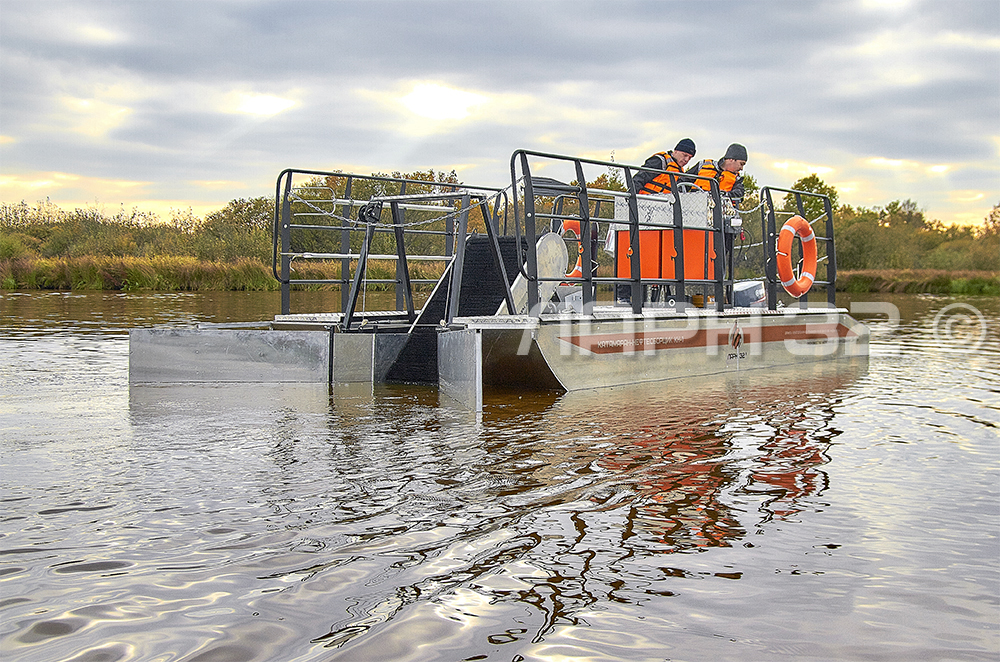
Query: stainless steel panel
{"points": [[387, 349], [228, 355], [659, 210], [353, 357], [460, 367], [553, 262], [224, 398]]}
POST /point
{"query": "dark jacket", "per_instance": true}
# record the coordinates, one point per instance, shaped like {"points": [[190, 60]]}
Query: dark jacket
{"points": [[652, 182]]}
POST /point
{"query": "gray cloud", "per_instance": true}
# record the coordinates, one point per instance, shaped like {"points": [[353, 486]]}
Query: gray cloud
{"points": [[818, 83]]}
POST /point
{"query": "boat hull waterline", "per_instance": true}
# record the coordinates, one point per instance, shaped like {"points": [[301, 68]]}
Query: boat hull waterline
{"points": [[574, 352]]}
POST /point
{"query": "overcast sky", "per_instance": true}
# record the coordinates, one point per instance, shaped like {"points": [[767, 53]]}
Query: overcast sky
{"points": [[163, 104]]}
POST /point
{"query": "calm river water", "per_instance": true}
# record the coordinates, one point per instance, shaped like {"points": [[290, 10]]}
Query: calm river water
{"points": [[843, 512]]}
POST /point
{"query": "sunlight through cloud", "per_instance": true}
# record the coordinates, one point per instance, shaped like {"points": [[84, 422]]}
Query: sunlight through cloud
{"points": [[890, 5], [263, 104], [880, 162], [96, 34], [94, 117], [15, 187], [800, 169], [219, 184], [438, 102], [966, 196]]}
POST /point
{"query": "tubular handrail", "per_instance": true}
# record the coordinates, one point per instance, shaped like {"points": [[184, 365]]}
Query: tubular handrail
{"points": [[359, 208], [300, 202], [354, 256], [520, 167]]}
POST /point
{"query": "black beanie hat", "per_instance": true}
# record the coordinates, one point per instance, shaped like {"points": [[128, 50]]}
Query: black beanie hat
{"points": [[686, 145], [736, 152]]}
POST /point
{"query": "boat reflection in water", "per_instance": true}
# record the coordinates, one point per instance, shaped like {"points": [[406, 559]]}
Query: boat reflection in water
{"points": [[696, 453], [402, 515]]}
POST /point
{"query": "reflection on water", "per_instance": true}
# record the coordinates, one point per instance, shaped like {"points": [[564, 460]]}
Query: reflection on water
{"points": [[841, 511]]}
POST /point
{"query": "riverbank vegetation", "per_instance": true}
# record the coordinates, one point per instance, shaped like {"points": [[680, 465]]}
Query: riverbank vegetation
{"points": [[884, 249], [176, 273]]}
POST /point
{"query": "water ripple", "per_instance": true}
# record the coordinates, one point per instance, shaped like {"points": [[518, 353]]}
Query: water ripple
{"points": [[835, 512]]}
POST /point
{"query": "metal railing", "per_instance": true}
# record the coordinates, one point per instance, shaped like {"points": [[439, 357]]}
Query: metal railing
{"points": [[337, 217], [770, 230], [540, 202], [349, 220]]}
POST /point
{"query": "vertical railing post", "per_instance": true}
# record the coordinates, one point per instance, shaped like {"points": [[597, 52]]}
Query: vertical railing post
{"points": [[403, 286], [286, 247], [529, 232], [369, 215], [586, 245], [398, 215], [721, 254], [345, 246], [770, 256], [831, 256], [633, 244], [800, 207], [680, 273], [458, 266]]}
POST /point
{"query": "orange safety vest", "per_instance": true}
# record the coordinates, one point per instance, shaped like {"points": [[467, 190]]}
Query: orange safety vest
{"points": [[661, 183], [725, 178]]}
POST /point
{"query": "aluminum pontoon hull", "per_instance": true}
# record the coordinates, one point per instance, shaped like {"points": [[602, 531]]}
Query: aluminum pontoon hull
{"points": [[612, 348]]}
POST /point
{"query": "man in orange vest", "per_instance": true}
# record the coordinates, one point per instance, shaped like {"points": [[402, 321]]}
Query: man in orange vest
{"points": [[726, 171], [673, 161], [648, 183]]}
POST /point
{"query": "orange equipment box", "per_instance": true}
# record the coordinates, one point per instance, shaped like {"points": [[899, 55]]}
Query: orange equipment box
{"points": [[657, 253], [649, 254]]}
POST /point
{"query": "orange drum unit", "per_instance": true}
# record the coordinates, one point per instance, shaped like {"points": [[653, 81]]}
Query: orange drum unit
{"points": [[657, 254]]}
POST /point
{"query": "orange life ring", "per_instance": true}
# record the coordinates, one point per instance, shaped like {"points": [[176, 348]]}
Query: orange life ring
{"points": [[570, 224], [796, 227], [577, 271]]}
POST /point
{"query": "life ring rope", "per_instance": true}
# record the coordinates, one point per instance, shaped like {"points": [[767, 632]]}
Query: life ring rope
{"points": [[796, 226]]}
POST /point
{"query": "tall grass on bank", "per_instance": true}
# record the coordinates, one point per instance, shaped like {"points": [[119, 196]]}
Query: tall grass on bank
{"points": [[191, 274], [179, 273], [45, 247], [134, 273], [241, 230], [920, 281]]}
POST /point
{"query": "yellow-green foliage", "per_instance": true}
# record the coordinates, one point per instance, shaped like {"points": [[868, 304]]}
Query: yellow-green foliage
{"points": [[182, 273], [240, 230], [46, 247], [929, 281], [135, 273]]}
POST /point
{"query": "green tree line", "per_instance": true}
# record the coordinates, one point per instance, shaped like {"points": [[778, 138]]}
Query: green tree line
{"points": [[896, 236], [900, 236], [242, 229]]}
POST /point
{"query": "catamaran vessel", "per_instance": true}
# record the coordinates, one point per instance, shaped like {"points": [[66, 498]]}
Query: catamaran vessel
{"points": [[548, 283]]}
